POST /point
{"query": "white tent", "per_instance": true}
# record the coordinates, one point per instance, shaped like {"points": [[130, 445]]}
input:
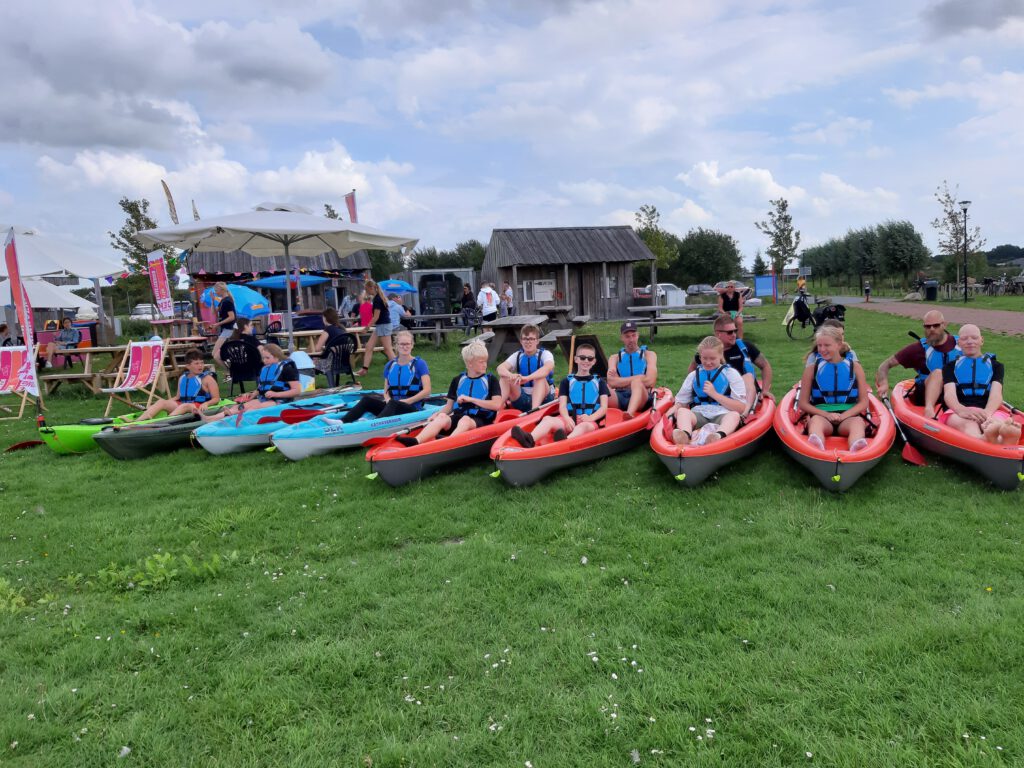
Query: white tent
{"points": [[44, 295]]}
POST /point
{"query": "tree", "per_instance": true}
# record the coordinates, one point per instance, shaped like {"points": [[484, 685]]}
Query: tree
{"points": [[705, 256], [329, 212], [136, 255], [1002, 254], [760, 265], [655, 238], [784, 240], [954, 237], [901, 250], [466, 255], [383, 264]]}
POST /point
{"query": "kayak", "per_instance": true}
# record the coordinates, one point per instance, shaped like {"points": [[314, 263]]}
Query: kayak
{"points": [[524, 466], [137, 441], [78, 438], [693, 464], [836, 468], [397, 464], [254, 429], [324, 434], [1001, 465]]}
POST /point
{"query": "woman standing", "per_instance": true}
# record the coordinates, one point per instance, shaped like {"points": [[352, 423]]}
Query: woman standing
{"points": [[731, 302], [381, 322]]}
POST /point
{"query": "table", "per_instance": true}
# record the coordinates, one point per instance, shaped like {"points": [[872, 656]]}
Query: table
{"points": [[90, 379], [175, 326], [558, 314], [656, 317], [309, 336], [436, 325], [506, 334]]}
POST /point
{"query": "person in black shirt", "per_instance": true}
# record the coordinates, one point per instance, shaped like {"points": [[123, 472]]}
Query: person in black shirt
{"points": [[973, 390], [225, 324], [381, 323], [730, 303]]}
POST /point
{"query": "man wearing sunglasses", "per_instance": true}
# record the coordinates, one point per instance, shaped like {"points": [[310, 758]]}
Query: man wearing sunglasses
{"points": [[632, 372], [926, 357], [742, 356]]}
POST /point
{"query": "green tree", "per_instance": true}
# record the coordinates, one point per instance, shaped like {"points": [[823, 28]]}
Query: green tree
{"points": [[469, 254], [901, 250], [783, 239], [955, 236], [329, 212], [135, 253], [760, 265], [655, 238], [383, 264], [1004, 253], [705, 256]]}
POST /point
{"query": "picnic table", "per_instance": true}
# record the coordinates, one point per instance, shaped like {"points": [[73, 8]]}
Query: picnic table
{"points": [[172, 327], [87, 377], [653, 317], [506, 334], [439, 326], [310, 336], [558, 315]]}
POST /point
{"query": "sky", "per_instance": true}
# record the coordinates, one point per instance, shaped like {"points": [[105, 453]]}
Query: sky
{"points": [[452, 118]]}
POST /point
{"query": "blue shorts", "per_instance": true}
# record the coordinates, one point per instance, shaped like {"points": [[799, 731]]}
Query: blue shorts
{"points": [[383, 330], [622, 397], [525, 400]]}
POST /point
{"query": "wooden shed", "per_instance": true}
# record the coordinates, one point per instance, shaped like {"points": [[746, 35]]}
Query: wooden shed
{"points": [[590, 268]]}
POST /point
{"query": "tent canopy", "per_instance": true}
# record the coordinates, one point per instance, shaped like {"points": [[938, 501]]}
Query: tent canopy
{"points": [[44, 295], [41, 255]]}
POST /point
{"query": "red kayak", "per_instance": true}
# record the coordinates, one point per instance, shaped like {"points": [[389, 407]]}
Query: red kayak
{"points": [[692, 464], [525, 466], [397, 464], [1001, 465], [835, 467]]}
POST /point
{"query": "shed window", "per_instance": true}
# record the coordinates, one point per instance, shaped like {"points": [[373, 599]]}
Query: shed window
{"points": [[611, 287]]}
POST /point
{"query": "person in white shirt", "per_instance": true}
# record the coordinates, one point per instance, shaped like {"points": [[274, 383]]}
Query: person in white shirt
{"points": [[712, 398], [527, 376], [507, 299], [488, 300]]}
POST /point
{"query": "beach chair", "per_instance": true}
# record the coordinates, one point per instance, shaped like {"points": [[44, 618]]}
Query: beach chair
{"points": [[11, 360], [142, 371]]}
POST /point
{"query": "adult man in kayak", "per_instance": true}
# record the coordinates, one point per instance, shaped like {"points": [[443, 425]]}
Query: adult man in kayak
{"points": [[632, 372], [927, 357], [743, 356], [973, 390], [526, 377]]}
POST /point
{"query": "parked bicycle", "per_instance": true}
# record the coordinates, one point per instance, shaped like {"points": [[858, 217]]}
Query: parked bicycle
{"points": [[803, 322]]}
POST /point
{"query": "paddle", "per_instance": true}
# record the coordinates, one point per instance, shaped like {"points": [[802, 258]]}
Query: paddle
{"points": [[910, 454], [1012, 409]]}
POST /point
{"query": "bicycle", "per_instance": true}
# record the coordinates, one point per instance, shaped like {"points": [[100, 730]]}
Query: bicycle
{"points": [[802, 325]]}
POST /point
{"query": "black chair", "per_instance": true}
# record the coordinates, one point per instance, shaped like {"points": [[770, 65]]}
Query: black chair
{"points": [[243, 361], [337, 357], [272, 328]]}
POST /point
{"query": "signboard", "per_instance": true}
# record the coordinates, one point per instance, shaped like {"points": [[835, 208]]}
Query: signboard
{"points": [[543, 290], [158, 280], [19, 297]]}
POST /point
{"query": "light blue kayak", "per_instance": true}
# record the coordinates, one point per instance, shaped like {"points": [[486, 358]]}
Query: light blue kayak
{"points": [[324, 434], [254, 429]]}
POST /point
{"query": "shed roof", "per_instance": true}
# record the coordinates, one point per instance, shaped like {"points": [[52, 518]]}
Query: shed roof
{"points": [[565, 245], [229, 262]]}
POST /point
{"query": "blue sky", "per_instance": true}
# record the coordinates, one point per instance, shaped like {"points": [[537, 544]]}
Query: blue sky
{"points": [[453, 118]]}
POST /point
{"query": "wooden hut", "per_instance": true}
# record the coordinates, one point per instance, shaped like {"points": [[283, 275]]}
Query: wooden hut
{"points": [[590, 268]]}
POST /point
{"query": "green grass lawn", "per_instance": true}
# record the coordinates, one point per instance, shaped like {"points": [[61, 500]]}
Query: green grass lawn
{"points": [[1015, 303], [244, 610]]}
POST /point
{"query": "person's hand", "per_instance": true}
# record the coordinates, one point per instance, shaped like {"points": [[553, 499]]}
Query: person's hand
{"points": [[835, 418], [709, 388], [462, 399], [978, 415], [569, 424], [882, 389]]}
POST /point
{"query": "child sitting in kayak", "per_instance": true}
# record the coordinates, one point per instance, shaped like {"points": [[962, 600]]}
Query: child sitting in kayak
{"points": [[582, 404], [474, 398], [712, 398], [197, 388], [973, 390], [834, 392], [278, 384], [406, 385]]}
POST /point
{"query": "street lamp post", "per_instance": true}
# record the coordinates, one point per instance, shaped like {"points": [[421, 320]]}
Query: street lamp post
{"points": [[963, 207]]}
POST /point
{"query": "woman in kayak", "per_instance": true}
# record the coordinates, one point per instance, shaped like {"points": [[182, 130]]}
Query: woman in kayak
{"points": [[278, 384], [197, 388], [582, 404], [972, 387], [712, 398], [834, 392], [474, 397], [406, 385]]}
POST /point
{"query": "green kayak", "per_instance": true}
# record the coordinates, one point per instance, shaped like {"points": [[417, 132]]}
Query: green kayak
{"points": [[78, 438]]}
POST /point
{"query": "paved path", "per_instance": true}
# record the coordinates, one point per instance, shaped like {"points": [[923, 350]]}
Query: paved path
{"points": [[1002, 320]]}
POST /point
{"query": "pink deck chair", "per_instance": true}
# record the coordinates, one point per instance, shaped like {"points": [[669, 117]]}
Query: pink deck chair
{"points": [[11, 360], [142, 370]]}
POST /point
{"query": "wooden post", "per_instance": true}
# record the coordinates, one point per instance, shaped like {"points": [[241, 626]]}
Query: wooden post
{"points": [[565, 298], [515, 287], [604, 290]]}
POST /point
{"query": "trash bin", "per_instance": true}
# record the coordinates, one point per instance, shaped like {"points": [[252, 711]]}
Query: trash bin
{"points": [[931, 290]]}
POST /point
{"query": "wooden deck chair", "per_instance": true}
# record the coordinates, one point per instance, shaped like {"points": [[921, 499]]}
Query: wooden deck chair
{"points": [[141, 370], [11, 360]]}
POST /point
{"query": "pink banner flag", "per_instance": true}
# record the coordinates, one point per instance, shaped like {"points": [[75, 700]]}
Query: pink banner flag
{"points": [[19, 297], [350, 202], [161, 288]]}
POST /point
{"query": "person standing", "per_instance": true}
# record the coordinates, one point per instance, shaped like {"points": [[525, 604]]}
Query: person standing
{"points": [[380, 320], [509, 297], [468, 307], [225, 324], [730, 302], [488, 300]]}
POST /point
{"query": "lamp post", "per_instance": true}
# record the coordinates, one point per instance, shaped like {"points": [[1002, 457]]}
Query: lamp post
{"points": [[963, 207]]}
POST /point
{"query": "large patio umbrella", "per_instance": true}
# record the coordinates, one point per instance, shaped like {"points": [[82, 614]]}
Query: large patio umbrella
{"points": [[280, 282], [271, 228]]}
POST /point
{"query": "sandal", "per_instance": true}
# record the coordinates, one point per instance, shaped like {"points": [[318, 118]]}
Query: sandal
{"points": [[362, 371], [682, 432]]}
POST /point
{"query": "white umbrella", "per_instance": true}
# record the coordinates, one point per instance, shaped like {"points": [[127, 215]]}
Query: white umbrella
{"points": [[272, 227], [44, 295]]}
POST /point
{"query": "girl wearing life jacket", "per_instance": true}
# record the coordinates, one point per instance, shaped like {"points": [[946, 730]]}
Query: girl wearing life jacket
{"points": [[582, 404], [278, 383], [834, 392], [474, 398], [197, 388], [972, 387], [406, 385], [526, 376], [712, 398]]}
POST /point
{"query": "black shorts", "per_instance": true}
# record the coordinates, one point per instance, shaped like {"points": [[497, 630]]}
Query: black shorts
{"points": [[480, 419], [916, 394]]}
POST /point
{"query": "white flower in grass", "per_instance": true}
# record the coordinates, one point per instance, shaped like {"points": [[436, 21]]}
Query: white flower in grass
{"points": [[31, 716], [528, 764], [809, 755], [125, 751], [583, 560], [634, 755]]}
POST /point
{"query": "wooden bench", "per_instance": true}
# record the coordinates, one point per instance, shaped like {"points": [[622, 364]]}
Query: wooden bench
{"points": [[484, 337], [53, 381], [580, 320]]}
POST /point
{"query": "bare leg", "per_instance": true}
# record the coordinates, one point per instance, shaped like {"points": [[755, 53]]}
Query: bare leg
{"points": [[967, 426], [583, 428], [751, 384], [685, 421], [465, 424], [434, 427], [932, 392], [1010, 432], [853, 430], [216, 353], [389, 352], [157, 407], [729, 424], [637, 397], [739, 326], [818, 427], [540, 393], [509, 390], [368, 353], [546, 426]]}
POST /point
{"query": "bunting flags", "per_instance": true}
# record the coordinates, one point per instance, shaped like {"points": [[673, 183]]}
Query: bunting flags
{"points": [[27, 372]]}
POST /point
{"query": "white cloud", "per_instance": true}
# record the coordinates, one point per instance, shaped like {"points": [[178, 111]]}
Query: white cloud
{"points": [[742, 186], [837, 132], [838, 196]]}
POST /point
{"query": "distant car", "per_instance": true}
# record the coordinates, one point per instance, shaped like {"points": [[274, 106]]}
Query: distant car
{"points": [[145, 312], [743, 290], [183, 308], [700, 289], [664, 289]]}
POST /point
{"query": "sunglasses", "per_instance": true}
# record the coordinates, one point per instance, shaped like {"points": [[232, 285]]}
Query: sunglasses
{"points": [[928, 326], [590, 358], [733, 330]]}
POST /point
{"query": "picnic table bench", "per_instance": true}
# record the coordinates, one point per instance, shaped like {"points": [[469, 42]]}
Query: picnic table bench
{"points": [[92, 380], [557, 314], [437, 326], [506, 330]]}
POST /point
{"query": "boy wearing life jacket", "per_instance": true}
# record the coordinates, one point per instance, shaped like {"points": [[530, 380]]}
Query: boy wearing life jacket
{"points": [[973, 390], [712, 398], [406, 385], [583, 403], [834, 392], [742, 356], [632, 372], [197, 388], [927, 357], [527, 376], [473, 400]]}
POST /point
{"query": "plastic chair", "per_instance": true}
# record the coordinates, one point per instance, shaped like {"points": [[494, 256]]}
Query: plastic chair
{"points": [[243, 362], [338, 359], [272, 328]]}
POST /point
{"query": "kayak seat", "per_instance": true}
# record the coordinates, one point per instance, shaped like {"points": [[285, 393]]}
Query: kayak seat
{"points": [[509, 414]]}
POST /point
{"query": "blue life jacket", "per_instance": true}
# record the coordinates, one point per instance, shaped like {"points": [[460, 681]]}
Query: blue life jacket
{"points": [[270, 380], [935, 360], [834, 383], [748, 364], [473, 387], [584, 395], [527, 365], [632, 363], [974, 377], [402, 380], [190, 388], [718, 381]]}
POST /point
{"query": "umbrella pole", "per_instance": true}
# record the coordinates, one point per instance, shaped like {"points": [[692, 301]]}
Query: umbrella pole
{"points": [[288, 294]]}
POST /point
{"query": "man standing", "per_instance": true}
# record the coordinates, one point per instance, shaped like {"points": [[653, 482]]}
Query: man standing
{"points": [[225, 324], [926, 356], [743, 356], [632, 372]]}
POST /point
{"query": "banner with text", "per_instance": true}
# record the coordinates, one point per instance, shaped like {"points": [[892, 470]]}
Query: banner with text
{"points": [[161, 288], [27, 373]]}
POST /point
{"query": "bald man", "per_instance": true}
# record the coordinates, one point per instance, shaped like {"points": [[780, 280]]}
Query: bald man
{"points": [[926, 357]]}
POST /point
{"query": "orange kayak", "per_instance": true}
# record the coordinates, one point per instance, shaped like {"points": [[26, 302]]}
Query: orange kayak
{"points": [[836, 468], [1001, 465]]}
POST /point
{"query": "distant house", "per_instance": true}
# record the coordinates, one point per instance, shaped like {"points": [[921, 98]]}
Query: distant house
{"points": [[590, 268]]}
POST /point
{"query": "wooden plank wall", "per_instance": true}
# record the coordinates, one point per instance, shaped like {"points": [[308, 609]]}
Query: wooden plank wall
{"points": [[585, 276]]}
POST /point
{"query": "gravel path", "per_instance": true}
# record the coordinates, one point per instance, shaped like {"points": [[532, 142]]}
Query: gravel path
{"points": [[1001, 320]]}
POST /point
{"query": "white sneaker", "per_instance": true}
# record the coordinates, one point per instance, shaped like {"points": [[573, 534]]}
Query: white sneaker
{"points": [[706, 431]]}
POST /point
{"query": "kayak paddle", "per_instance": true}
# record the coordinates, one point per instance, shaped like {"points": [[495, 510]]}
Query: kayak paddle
{"points": [[910, 454]]}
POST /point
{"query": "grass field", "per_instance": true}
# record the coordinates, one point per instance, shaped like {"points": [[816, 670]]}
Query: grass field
{"points": [[244, 611]]}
